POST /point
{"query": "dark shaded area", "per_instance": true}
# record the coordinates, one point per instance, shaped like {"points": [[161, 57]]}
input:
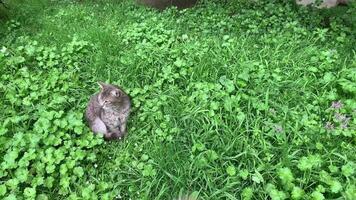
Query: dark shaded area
{"points": [[3, 12], [2, 4], [162, 4], [2, 7]]}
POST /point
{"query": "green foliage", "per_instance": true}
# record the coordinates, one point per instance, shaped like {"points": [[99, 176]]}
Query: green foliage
{"points": [[309, 162], [230, 170], [52, 138], [250, 100]]}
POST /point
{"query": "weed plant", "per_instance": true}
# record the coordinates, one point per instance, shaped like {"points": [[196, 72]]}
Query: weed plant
{"points": [[248, 100]]}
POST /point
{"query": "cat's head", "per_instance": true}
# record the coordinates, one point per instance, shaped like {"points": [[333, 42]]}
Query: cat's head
{"points": [[111, 96]]}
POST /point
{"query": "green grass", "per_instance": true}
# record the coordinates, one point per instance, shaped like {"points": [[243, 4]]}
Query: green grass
{"points": [[230, 101]]}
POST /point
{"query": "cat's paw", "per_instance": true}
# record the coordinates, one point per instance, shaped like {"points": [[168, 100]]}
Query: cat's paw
{"points": [[114, 136]]}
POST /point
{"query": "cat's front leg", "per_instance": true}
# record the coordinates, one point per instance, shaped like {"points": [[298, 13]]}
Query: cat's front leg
{"points": [[123, 128], [123, 122]]}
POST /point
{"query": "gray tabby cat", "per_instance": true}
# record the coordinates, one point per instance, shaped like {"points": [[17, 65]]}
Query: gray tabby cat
{"points": [[108, 111]]}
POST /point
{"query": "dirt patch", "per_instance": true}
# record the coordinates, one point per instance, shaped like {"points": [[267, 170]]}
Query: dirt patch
{"points": [[162, 4], [324, 3]]}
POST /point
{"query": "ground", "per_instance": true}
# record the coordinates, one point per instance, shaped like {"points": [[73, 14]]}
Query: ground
{"points": [[254, 100]]}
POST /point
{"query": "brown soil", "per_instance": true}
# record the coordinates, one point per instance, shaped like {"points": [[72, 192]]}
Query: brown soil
{"points": [[162, 4]]}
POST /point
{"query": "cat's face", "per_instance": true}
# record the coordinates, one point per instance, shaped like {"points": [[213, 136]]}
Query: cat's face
{"points": [[111, 96]]}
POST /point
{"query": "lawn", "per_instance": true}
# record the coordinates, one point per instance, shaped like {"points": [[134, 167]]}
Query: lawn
{"points": [[236, 100]]}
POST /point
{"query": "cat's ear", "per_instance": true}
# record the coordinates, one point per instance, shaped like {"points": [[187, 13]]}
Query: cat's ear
{"points": [[101, 84], [115, 93]]}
